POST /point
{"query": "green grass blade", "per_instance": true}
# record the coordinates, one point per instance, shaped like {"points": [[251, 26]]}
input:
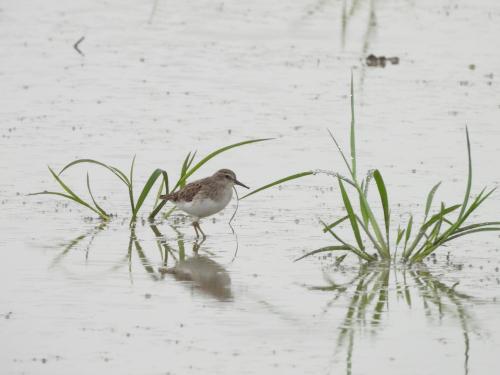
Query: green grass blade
{"points": [[113, 170], [334, 224], [76, 198], [277, 182], [185, 164], [359, 253], [157, 206], [385, 201], [164, 184], [184, 168], [353, 132], [326, 229], [63, 185], [341, 152], [437, 228], [54, 193], [335, 174], [439, 216], [340, 259], [486, 196], [369, 176], [214, 154], [475, 204], [401, 233], [452, 230], [465, 233], [432, 247], [120, 175], [372, 239], [447, 221], [72, 196], [145, 191], [430, 198], [131, 187], [131, 178], [364, 212], [190, 162], [384, 248], [157, 209], [351, 214], [407, 236], [322, 250], [165, 180], [160, 192], [430, 239], [99, 208], [422, 231], [469, 175], [478, 225]]}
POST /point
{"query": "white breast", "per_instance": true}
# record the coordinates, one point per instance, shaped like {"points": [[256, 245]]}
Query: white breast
{"points": [[205, 207]]}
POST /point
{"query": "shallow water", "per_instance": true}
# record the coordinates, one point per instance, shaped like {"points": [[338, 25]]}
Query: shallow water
{"points": [[81, 298]]}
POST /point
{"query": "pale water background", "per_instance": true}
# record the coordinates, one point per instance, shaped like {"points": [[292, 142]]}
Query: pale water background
{"points": [[202, 74]]}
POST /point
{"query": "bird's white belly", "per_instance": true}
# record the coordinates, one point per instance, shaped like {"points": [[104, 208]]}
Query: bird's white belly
{"points": [[205, 207]]}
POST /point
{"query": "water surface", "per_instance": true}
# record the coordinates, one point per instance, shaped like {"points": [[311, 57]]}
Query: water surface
{"points": [[81, 297]]}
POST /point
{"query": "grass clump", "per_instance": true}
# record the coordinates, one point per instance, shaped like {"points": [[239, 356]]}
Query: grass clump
{"points": [[188, 168], [418, 242]]}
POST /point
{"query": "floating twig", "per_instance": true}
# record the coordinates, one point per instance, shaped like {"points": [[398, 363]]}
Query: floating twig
{"points": [[75, 46]]}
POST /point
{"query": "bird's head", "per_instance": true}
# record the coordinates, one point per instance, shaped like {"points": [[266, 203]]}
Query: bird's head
{"points": [[229, 176]]}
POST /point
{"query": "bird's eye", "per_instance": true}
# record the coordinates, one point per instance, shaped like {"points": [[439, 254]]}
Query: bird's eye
{"points": [[228, 176]]}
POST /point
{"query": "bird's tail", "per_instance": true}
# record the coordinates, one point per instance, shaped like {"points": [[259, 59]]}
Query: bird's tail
{"points": [[167, 197]]}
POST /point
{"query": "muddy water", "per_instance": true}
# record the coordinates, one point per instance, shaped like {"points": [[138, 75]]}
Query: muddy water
{"points": [[81, 298]]}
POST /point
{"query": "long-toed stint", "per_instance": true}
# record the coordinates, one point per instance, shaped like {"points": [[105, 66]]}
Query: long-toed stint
{"points": [[205, 197]]}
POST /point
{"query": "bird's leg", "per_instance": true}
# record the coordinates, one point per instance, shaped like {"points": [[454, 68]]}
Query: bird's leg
{"points": [[196, 229], [202, 233]]}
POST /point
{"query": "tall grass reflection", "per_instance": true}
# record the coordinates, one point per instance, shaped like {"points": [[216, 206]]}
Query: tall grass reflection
{"points": [[376, 287]]}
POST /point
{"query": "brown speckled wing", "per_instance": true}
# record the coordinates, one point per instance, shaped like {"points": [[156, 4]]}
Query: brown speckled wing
{"points": [[188, 192]]}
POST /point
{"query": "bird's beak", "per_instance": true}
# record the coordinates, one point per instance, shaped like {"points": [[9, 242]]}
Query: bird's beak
{"points": [[241, 184]]}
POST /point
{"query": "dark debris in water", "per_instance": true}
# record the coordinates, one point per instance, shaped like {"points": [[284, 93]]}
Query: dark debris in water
{"points": [[381, 61], [76, 46]]}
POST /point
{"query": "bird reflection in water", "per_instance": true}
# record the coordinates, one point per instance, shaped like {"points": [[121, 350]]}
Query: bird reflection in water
{"points": [[205, 274]]}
